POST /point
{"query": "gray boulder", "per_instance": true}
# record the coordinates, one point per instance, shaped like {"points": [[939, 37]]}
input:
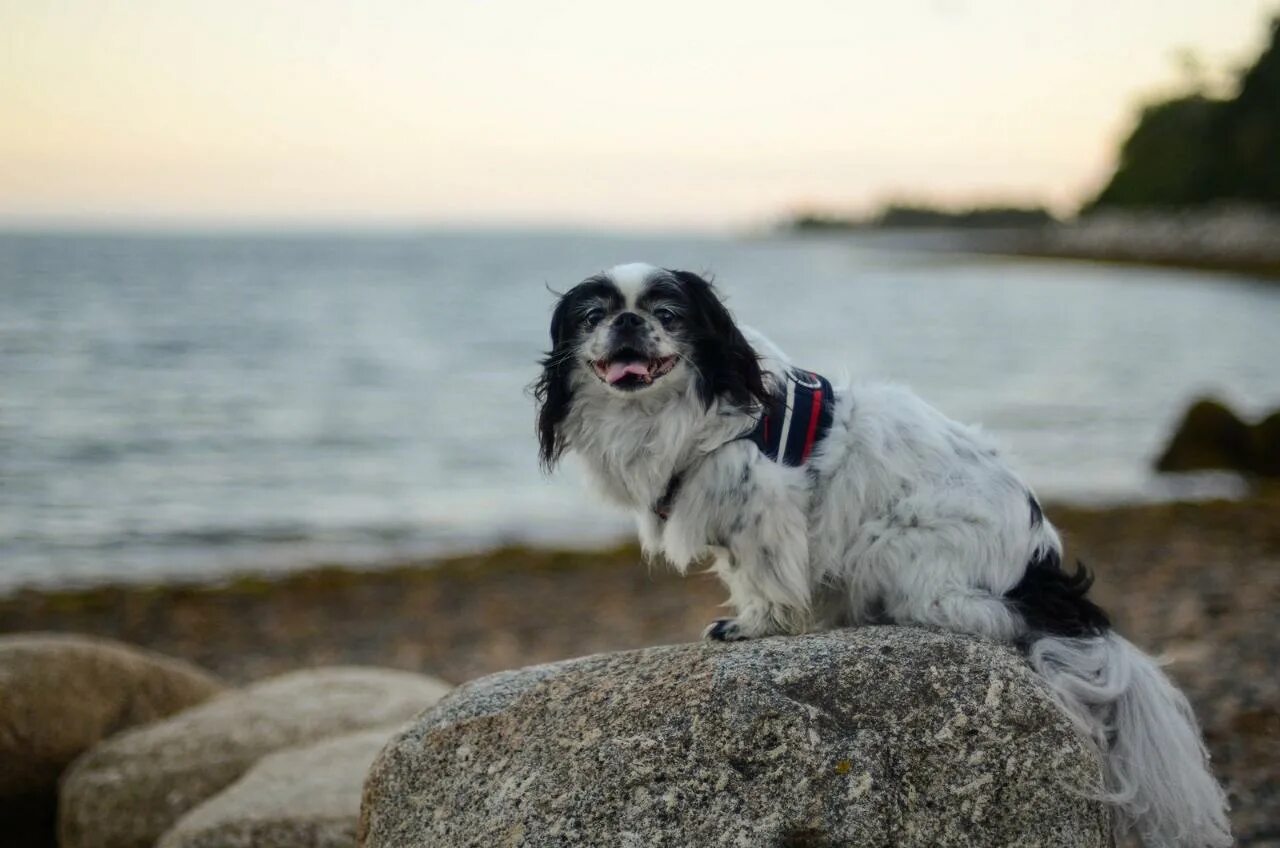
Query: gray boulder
{"points": [[880, 736], [298, 798], [62, 694], [132, 788], [1211, 436]]}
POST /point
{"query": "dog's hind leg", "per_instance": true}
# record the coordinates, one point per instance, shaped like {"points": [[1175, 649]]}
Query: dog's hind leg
{"points": [[960, 610], [932, 591], [929, 576]]}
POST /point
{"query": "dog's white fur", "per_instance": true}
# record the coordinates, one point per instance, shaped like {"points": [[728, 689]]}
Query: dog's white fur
{"points": [[903, 515]]}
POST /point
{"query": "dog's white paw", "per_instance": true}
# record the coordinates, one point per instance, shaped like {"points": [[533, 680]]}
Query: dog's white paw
{"points": [[724, 630]]}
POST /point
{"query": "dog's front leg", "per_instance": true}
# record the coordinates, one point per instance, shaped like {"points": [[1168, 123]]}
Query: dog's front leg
{"points": [[770, 598], [764, 553], [751, 514]]}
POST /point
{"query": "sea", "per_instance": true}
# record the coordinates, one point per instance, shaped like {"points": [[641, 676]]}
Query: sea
{"points": [[193, 406]]}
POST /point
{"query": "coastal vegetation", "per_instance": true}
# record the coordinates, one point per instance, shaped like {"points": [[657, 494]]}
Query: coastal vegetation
{"points": [[923, 216], [1194, 151], [1197, 149]]}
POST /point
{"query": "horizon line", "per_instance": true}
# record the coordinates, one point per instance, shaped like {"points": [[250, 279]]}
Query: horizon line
{"points": [[407, 226]]}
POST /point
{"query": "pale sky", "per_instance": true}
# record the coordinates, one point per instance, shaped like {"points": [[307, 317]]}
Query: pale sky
{"points": [[607, 114]]}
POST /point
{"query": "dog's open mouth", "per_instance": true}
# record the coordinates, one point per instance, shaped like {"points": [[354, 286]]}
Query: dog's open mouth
{"points": [[628, 369]]}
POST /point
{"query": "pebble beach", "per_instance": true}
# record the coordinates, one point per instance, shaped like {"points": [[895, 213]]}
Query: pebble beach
{"points": [[1196, 582]]}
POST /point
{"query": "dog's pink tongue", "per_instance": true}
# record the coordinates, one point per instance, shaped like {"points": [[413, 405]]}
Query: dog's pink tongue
{"points": [[618, 370]]}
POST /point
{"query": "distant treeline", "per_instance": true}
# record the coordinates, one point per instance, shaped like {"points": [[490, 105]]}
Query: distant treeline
{"points": [[1197, 149], [1187, 152], [908, 216]]}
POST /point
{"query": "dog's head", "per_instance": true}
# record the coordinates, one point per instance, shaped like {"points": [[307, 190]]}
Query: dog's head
{"points": [[636, 332]]}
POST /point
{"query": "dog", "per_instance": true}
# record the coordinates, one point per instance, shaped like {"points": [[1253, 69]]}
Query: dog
{"points": [[821, 508]]}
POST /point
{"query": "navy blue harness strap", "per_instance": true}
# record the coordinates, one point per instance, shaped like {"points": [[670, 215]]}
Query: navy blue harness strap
{"points": [[787, 431], [796, 420]]}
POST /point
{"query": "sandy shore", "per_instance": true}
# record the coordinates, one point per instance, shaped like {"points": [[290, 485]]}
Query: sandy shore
{"points": [[1198, 582]]}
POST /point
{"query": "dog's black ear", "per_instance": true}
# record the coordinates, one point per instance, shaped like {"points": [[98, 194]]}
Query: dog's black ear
{"points": [[551, 390], [727, 365]]}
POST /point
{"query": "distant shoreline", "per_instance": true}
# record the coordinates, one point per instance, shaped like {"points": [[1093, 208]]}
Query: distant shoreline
{"points": [[1269, 271], [1234, 239]]}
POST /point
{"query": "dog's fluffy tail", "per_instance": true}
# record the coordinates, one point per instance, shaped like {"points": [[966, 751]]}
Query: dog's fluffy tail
{"points": [[1156, 766]]}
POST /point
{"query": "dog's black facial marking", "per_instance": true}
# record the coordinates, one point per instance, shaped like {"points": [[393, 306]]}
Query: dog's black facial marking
{"points": [[726, 364], [582, 307], [1053, 600], [664, 298], [576, 313]]}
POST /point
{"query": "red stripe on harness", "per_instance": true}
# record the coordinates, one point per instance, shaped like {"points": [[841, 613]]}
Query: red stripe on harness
{"points": [[814, 415]]}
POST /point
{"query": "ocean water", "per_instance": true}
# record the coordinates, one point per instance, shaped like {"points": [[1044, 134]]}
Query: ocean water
{"points": [[184, 407]]}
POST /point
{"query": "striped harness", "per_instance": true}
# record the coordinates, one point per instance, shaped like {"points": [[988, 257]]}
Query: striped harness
{"points": [[786, 432]]}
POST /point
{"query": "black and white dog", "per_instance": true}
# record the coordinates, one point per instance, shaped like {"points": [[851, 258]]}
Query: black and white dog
{"points": [[823, 509]]}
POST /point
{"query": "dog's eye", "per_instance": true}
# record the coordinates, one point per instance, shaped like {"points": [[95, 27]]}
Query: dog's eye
{"points": [[593, 317], [665, 315]]}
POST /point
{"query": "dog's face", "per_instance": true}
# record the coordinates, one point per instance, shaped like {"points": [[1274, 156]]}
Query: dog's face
{"points": [[637, 331], [630, 329]]}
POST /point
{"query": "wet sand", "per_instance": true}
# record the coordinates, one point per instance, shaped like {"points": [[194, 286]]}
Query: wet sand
{"points": [[1199, 583]]}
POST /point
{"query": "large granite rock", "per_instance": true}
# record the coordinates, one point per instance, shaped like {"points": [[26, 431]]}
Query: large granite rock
{"points": [[61, 694], [298, 798], [880, 736], [132, 788]]}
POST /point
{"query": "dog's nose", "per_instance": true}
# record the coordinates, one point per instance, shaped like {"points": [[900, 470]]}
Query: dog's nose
{"points": [[628, 321]]}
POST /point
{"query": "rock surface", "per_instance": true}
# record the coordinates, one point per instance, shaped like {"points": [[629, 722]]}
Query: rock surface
{"points": [[879, 736], [60, 695], [298, 798], [132, 788], [1211, 436], [1266, 446]]}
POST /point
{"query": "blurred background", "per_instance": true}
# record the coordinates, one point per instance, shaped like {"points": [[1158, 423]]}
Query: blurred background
{"points": [[272, 283], [274, 279]]}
